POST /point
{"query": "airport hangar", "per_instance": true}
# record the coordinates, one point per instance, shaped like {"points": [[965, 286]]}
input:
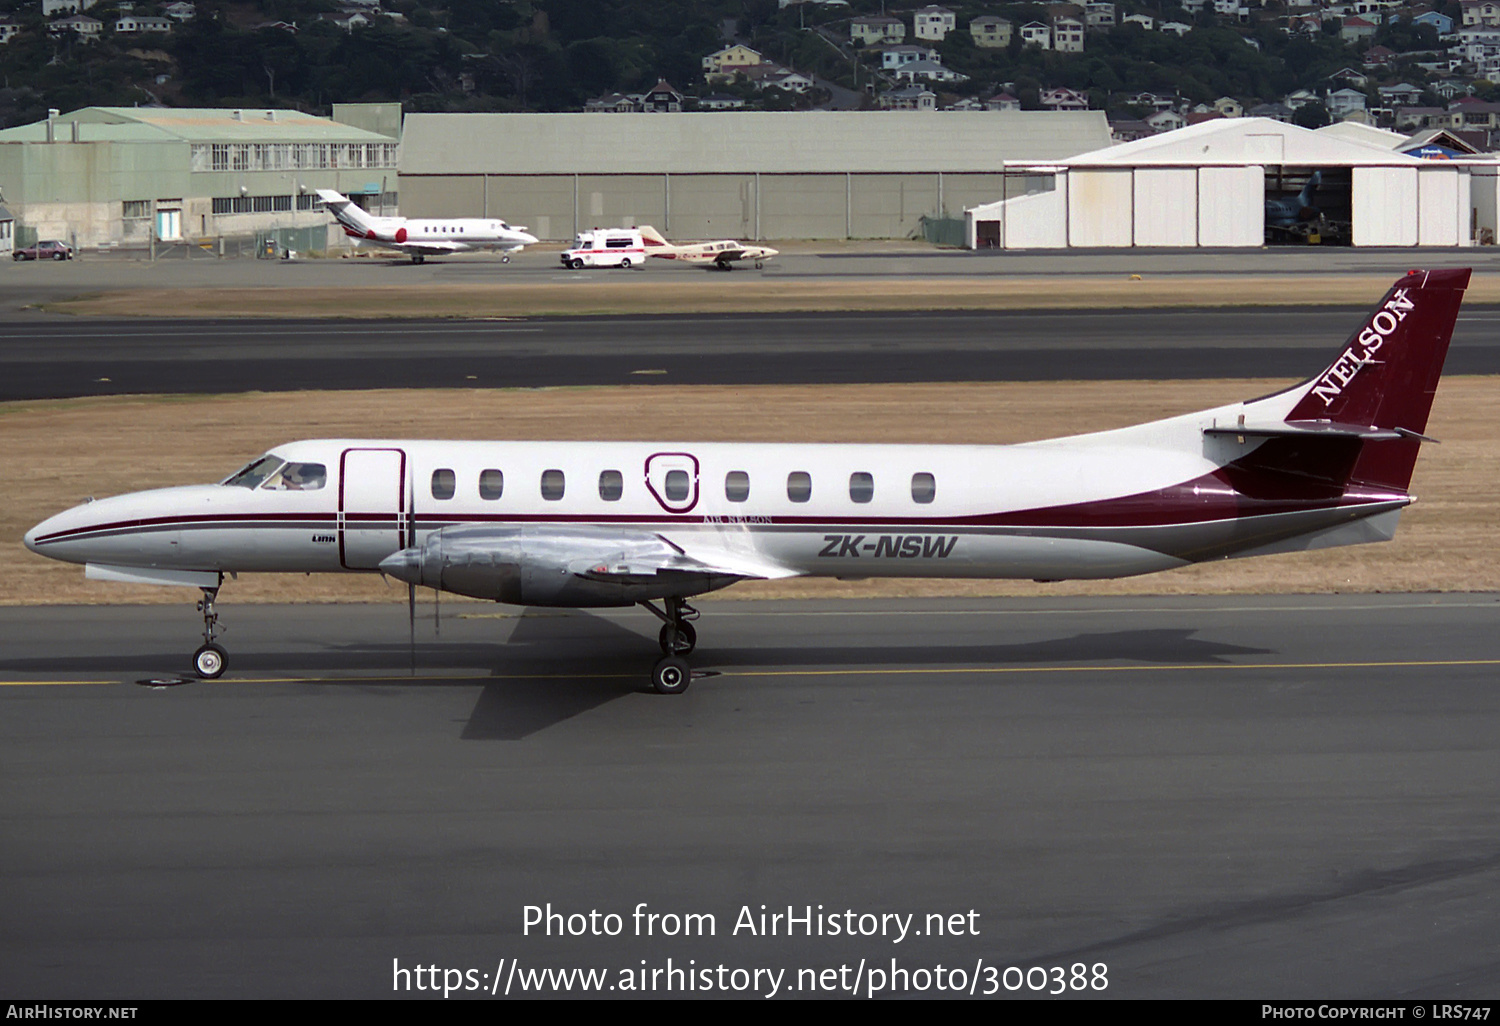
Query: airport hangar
{"points": [[122, 176], [739, 174], [1207, 185]]}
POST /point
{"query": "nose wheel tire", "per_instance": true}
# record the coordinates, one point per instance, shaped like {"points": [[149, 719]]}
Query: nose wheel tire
{"points": [[671, 676], [687, 639], [210, 661]]}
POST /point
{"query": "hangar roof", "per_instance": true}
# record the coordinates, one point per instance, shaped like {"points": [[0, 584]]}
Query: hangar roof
{"points": [[743, 141], [1237, 142], [1353, 131], [194, 124]]}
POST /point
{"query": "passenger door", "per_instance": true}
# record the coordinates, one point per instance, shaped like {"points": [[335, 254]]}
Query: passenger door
{"points": [[373, 513]]}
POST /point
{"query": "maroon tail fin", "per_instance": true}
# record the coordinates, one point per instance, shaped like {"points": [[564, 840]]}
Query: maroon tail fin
{"points": [[1387, 374], [1388, 371]]}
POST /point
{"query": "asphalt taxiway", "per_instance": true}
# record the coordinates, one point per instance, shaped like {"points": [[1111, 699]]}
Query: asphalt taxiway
{"points": [[63, 358], [1253, 797]]}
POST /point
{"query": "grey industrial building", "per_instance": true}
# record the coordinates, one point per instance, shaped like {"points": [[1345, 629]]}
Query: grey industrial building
{"points": [[123, 176], [740, 174]]}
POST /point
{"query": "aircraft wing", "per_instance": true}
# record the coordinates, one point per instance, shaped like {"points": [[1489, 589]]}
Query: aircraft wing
{"points": [[479, 555], [434, 247], [651, 554]]}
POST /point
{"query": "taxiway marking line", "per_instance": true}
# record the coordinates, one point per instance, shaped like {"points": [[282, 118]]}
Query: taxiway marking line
{"points": [[894, 671], [36, 683], [844, 672]]}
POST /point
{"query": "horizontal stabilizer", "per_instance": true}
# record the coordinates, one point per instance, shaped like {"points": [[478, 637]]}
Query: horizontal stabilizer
{"points": [[1308, 430]]}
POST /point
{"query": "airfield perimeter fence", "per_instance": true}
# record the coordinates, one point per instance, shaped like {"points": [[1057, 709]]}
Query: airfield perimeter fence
{"points": [[943, 231]]}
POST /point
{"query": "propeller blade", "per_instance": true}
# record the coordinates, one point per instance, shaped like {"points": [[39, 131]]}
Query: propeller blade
{"points": [[411, 624]]}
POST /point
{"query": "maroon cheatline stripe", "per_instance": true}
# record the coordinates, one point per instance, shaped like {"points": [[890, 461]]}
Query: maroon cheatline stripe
{"points": [[1037, 519]]}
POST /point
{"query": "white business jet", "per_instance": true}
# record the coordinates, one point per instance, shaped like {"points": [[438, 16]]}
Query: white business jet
{"points": [[1327, 462], [421, 237], [721, 255]]}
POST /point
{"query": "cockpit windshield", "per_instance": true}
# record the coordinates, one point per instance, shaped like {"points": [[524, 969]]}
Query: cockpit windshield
{"points": [[298, 477], [256, 472]]}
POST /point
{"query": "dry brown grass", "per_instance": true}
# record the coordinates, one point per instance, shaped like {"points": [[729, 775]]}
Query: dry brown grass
{"points": [[747, 294], [57, 452]]}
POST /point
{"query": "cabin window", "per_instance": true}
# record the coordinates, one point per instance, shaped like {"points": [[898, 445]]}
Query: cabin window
{"points": [[737, 486], [799, 486], [491, 484], [255, 472], [298, 477], [923, 487], [861, 486], [611, 485], [677, 485], [552, 485], [444, 484]]}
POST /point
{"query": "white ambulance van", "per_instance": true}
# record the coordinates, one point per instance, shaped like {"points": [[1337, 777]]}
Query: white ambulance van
{"points": [[606, 247]]}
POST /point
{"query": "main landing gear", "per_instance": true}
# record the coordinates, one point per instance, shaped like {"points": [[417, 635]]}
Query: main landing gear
{"points": [[678, 638], [210, 660]]}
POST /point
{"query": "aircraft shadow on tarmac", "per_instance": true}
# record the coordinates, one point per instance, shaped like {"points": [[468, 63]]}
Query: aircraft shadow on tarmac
{"points": [[553, 668]]}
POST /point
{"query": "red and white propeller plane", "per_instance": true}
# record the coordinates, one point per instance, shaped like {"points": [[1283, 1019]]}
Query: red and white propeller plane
{"points": [[421, 237], [1327, 462], [721, 255]]}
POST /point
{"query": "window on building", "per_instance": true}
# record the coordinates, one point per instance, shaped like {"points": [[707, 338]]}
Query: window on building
{"points": [[552, 485], [799, 486], [923, 487], [281, 203], [221, 204], [136, 209], [307, 201], [861, 486], [444, 484], [491, 484], [239, 157], [737, 486], [220, 158], [611, 485], [260, 204]]}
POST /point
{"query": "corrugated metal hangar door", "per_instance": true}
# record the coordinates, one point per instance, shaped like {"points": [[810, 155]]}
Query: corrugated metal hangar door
{"points": [[1166, 206], [1099, 207], [1385, 206]]}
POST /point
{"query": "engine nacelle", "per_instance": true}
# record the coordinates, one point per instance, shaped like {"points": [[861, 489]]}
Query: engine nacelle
{"points": [[534, 565]]}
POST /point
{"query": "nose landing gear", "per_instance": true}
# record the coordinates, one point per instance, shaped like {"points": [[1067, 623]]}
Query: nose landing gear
{"points": [[678, 638], [210, 660]]}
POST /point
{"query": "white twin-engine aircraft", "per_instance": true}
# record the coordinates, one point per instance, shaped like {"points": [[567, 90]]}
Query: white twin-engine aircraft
{"points": [[421, 237], [721, 255], [1327, 462]]}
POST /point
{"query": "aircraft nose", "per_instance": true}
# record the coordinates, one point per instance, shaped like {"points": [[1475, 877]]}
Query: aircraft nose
{"points": [[31, 536]]}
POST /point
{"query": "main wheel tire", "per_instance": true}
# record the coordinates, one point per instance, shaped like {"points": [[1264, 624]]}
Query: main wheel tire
{"points": [[687, 639], [624, 263], [672, 676], [210, 661], [505, 260]]}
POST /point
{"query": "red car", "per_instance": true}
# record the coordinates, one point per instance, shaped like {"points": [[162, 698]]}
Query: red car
{"points": [[45, 250]]}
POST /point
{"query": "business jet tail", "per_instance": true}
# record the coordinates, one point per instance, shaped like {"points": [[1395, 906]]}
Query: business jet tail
{"points": [[347, 213]]}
